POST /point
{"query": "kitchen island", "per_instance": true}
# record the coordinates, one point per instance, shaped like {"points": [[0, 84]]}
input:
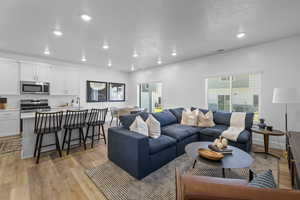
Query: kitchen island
{"points": [[29, 137]]}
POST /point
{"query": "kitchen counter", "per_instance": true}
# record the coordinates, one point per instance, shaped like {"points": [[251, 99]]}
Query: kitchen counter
{"points": [[9, 110], [55, 109]]}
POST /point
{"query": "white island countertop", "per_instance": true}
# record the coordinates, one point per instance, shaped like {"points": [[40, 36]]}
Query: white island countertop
{"points": [[30, 115]]}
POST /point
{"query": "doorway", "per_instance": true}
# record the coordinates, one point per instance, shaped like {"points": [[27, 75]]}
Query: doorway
{"points": [[150, 95]]}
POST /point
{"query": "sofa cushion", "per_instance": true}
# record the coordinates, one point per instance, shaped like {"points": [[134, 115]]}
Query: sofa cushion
{"points": [[204, 111], [165, 117], [189, 118], [215, 131], [222, 118], [180, 132], [139, 126], [263, 180], [177, 112], [127, 120], [161, 143]]}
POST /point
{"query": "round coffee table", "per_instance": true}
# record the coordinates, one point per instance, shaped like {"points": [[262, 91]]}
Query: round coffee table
{"points": [[238, 158]]}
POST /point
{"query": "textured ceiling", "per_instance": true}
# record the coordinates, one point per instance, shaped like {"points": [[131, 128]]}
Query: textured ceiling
{"points": [[153, 28]]}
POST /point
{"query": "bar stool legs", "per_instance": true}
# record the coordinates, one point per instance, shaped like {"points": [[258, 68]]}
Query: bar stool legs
{"points": [[94, 135], [68, 133], [36, 144], [57, 144], [39, 148], [82, 138], [103, 132]]}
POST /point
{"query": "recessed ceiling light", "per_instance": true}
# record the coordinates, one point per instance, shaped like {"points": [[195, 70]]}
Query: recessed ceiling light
{"points": [[174, 53], [132, 67], [159, 61], [83, 59], [109, 64], [241, 35], [57, 33], [47, 52], [105, 46], [135, 54], [86, 17]]}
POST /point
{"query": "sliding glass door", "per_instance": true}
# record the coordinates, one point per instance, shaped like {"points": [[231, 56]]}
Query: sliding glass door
{"points": [[150, 95]]}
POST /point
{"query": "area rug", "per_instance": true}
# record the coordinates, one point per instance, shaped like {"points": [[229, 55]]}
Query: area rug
{"points": [[10, 144], [116, 184]]}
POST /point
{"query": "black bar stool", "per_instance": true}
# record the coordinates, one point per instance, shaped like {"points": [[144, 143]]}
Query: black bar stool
{"points": [[96, 119], [46, 123], [75, 120]]}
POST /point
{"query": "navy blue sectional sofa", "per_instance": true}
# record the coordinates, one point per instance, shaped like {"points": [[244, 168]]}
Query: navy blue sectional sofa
{"points": [[140, 155]]}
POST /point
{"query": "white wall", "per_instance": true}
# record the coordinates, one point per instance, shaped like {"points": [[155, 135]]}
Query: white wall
{"points": [[184, 82]]}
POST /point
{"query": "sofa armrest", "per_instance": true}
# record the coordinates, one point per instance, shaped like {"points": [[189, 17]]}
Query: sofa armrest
{"points": [[129, 150]]}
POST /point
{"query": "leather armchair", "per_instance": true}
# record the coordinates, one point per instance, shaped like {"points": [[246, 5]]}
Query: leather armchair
{"points": [[189, 187]]}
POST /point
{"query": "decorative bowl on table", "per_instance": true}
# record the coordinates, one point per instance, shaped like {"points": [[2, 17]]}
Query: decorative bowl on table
{"points": [[209, 154]]}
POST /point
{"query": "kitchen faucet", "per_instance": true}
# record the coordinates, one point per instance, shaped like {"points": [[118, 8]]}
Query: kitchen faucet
{"points": [[78, 102]]}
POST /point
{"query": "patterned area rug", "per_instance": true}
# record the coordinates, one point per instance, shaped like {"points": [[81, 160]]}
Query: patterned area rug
{"points": [[116, 184], [10, 144]]}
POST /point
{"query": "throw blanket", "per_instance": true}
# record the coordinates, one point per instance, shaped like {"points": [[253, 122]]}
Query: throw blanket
{"points": [[237, 125]]}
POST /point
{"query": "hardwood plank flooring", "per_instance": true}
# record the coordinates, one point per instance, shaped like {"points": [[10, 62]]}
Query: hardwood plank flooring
{"points": [[64, 178]]}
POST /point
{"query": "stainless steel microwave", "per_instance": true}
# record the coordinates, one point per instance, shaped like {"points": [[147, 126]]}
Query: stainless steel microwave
{"points": [[31, 87]]}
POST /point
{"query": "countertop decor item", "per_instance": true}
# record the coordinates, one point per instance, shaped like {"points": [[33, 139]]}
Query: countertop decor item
{"points": [[3, 103], [262, 124], [223, 151], [220, 143], [209, 154]]}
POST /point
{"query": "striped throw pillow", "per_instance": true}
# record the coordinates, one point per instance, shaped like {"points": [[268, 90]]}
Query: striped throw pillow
{"points": [[263, 180]]}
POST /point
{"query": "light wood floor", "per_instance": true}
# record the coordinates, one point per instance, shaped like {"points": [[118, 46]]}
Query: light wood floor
{"points": [[64, 178]]}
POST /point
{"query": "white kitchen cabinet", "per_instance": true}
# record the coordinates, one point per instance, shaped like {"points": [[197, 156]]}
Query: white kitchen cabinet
{"points": [[43, 72], [9, 78], [35, 72], [72, 82], [64, 81], [9, 123], [57, 86]]}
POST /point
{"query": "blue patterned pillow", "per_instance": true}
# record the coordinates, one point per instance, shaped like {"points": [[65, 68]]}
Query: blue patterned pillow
{"points": [[263, 180]]}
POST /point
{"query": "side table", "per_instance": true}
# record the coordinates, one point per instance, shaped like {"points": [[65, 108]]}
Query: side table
{"points": [[267, 135]]}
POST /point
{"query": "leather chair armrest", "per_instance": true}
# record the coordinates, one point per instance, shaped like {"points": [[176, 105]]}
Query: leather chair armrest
{"points": [[189, 186]]}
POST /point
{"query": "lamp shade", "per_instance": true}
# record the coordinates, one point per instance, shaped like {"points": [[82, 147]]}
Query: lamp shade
{"points": [[286, 95]]}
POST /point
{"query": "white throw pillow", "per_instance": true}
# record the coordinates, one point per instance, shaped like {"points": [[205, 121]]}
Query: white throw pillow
{"points": [[206, 120], [153, 127], [189, 118], [139, 126]]}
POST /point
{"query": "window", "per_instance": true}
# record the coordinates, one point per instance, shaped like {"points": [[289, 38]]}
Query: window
{"points": [[239, 93]]}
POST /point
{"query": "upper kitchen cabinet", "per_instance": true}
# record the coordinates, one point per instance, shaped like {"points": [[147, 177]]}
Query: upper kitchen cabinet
{"points": [[9, 75], [35, 72], [64, 81]]}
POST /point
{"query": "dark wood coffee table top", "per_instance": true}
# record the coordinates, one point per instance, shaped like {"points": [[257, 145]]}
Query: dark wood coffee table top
{"points": [[238, 158]]}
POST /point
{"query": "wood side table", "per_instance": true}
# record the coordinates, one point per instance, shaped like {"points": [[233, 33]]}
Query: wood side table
{"points": [[267, 135]]}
